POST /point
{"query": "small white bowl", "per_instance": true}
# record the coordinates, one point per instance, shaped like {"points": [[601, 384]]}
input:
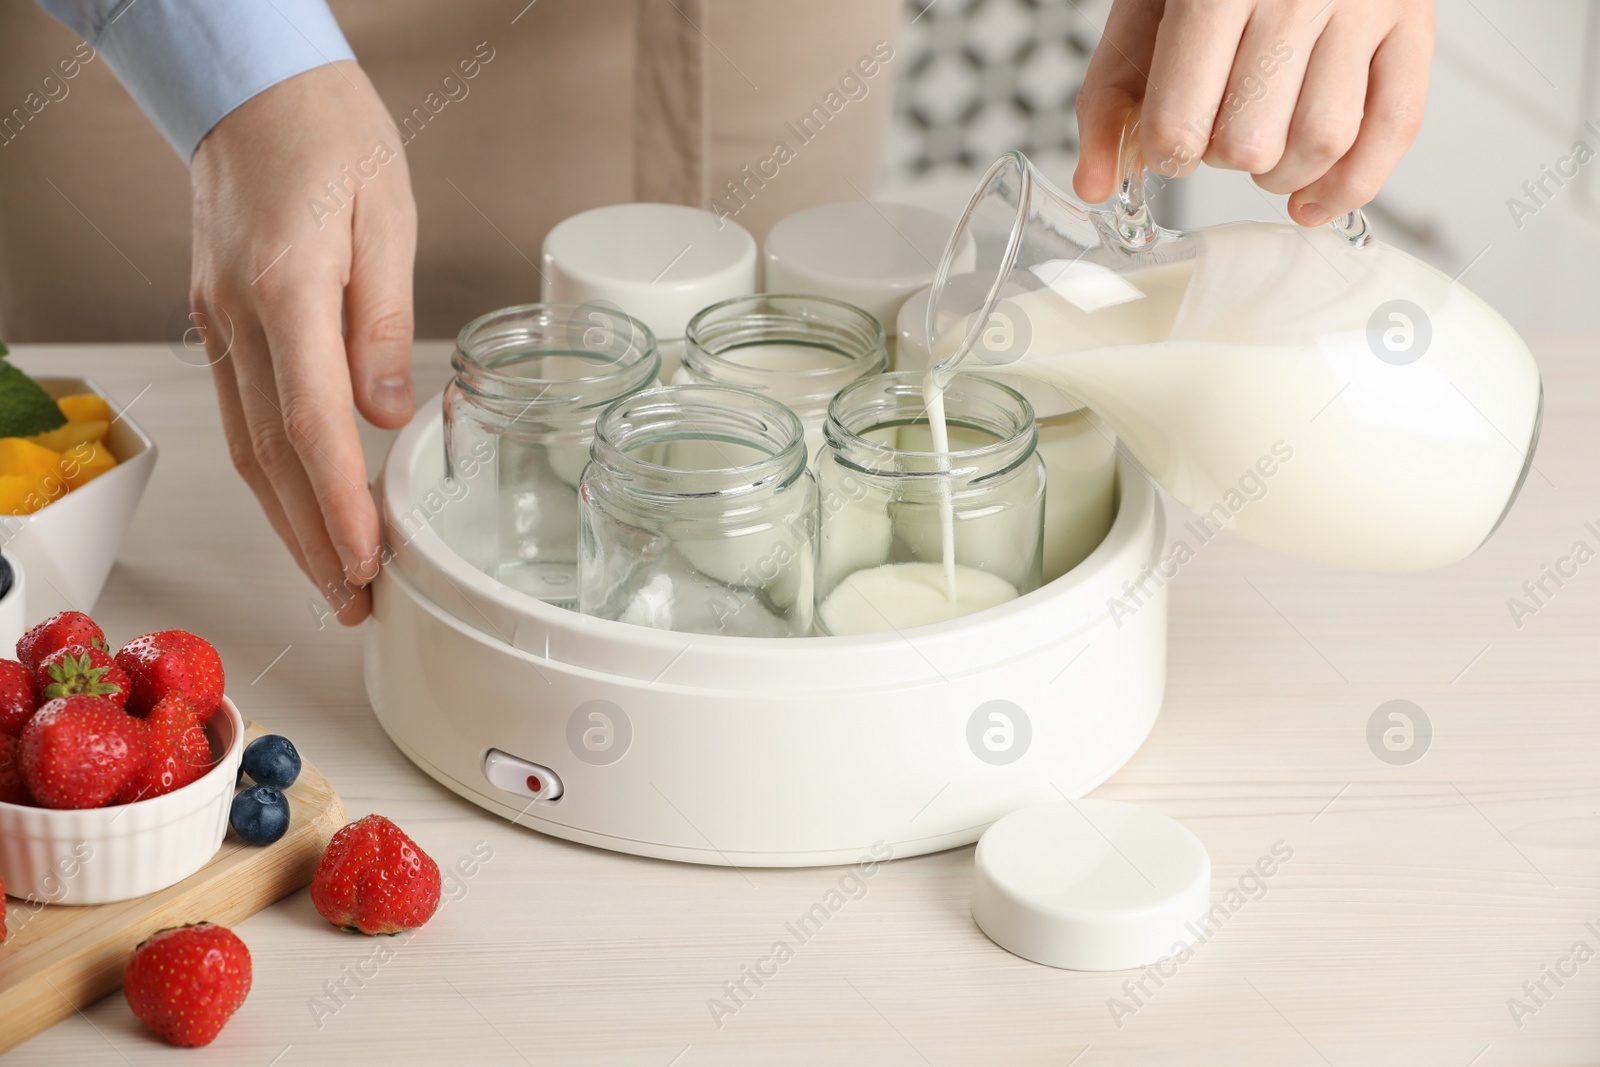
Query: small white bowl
{"points": [[69, 545], [13, 608], [101, 855]]}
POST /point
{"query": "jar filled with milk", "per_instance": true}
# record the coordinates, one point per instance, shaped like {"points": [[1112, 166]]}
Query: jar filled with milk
{"points": [[892, 499], [519, 415], [798, 350], [1396, 411]]}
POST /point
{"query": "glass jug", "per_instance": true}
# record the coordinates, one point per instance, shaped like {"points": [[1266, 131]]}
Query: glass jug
{"points": [[1314, 390]]}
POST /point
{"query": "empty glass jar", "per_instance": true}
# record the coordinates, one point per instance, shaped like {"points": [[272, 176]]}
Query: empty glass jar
{"points": [[530, 381], [698, 513], [799, 350], [886, 495]]}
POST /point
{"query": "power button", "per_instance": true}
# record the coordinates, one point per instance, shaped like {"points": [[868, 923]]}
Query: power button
{"points": [[516, 775]]}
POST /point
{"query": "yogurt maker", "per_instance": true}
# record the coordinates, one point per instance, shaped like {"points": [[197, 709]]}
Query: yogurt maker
{"points": [[758, 752]]}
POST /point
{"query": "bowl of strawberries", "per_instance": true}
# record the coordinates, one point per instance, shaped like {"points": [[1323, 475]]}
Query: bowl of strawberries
{"points": [[117, 769]]}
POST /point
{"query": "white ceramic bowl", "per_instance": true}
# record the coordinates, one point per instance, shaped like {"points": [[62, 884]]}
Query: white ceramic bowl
{"points": [[101, 855], [13, 609], [68, 546]]}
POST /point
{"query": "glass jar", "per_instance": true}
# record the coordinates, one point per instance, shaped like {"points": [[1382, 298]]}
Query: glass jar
{"points": [[1078, 448], [530, 381], [798, 350], [698, 513], [887, 498]]}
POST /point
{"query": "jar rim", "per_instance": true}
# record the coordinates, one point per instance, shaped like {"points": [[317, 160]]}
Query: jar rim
{"points": [[762, 421], [635, 364], [778, 318], [1010, 419]]}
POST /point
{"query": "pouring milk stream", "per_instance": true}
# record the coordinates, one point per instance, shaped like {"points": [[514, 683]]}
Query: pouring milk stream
{"points": [[1316, 391]]}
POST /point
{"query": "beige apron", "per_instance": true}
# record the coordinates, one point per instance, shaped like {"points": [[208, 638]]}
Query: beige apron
{"points": [[755, 108]]}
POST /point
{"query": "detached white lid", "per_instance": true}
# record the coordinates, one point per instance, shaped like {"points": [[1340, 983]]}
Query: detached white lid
{"points": [[660, 263], [1091, 885], [871, 255]]}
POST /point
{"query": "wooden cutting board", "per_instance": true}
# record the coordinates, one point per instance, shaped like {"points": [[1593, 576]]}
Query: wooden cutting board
{"points": [[57, 960]]}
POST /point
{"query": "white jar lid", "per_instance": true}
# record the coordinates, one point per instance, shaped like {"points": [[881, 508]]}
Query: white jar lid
{"points": [[869, 255], [660, 263], [1091, 885]]}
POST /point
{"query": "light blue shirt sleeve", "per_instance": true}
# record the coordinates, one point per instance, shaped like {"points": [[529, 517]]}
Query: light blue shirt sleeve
{"points": [[190, 62]]}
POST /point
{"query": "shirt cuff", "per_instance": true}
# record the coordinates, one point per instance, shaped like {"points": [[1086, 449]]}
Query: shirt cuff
{"points": [[189, 63]]}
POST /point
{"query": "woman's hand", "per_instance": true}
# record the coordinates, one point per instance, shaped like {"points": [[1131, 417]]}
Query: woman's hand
{"points": [[303, 214], [1316, 98]]}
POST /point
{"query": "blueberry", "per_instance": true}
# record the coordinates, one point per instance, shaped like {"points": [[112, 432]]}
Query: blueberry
{"points": [[271, 760], [260, 814]]}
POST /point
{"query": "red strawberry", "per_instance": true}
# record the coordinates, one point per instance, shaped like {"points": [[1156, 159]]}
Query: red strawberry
{"points": [[177, 752], [172, 661], [78, 752], [59, 631], [76, 670], [373, 879], [18, 697], [13, 790], [186, 982]]}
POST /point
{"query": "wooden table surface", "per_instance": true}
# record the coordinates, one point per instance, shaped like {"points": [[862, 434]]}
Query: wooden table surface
{"points": [[1418, 901]]}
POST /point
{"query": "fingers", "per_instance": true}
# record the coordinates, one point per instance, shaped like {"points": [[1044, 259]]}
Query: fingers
{"points": [[313, 397], [1252, 123], [1327, 116], [270, 442], [378, 302], [1397, 90], [1193, 60], [1114, 83], [237, 432]]}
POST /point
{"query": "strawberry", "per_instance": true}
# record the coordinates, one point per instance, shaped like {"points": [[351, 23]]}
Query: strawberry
{"points": [[80, 669], [78, 752], [18, 697], [176, 752], [58, 631], [184, 983], [373, 879], [172, 661], [13, 790]]}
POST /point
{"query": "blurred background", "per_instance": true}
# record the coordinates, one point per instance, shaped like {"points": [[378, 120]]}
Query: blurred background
{"points": [[94, 241], [1514, 85]]}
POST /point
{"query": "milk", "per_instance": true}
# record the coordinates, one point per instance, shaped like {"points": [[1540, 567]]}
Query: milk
{"points": [[940, 432], [896, 596], [1244, 381], [1078, 449]]}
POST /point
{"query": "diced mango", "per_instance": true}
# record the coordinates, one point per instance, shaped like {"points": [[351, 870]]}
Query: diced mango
{"points": [[18, 455], [83, 463], [85, 407], [39, 465], [73, 433], [21, 494]]}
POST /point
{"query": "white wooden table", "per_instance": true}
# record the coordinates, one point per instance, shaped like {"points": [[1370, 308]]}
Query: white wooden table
{"points": [[1418, 901]]}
